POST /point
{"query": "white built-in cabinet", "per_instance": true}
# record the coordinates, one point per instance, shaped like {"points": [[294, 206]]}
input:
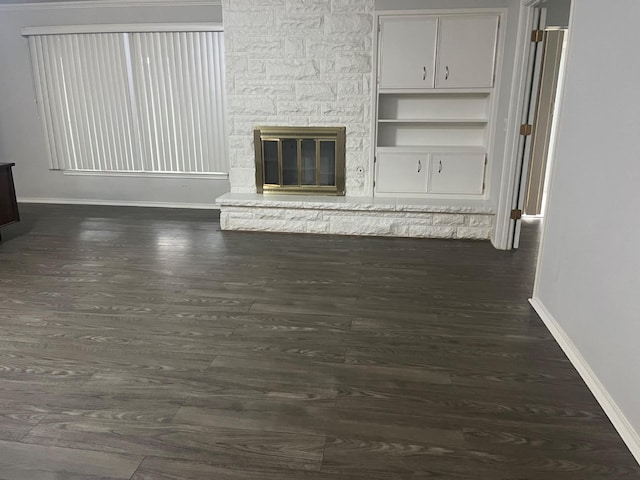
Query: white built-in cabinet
{"points": [[435, 92]]}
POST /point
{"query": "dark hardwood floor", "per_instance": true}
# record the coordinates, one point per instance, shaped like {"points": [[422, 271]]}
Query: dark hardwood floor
{"points": [[147, 344]]}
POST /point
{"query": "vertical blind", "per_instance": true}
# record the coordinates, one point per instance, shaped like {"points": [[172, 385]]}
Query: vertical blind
{"points": [[132, 102], [180, 102]]}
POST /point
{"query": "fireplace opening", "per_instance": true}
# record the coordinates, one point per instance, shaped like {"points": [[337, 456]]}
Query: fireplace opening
{"points": [[300, 160]]}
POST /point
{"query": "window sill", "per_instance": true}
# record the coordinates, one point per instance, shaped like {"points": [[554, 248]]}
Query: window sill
{"points": [[95, 173]]}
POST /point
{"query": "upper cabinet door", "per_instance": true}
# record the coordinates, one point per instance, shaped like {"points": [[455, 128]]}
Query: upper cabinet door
{"points": [[466, 51], [407, 52]]}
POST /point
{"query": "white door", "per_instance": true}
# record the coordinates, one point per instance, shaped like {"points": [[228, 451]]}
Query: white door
{"points": [[401, 172], [407, 47], [466, 51], [459, 173]]}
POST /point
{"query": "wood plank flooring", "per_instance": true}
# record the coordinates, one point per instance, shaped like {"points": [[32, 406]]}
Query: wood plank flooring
{"points": [[147, 344]]}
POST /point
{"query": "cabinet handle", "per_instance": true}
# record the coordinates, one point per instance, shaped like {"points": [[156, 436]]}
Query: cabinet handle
{"points": [[446, 72], [419, 165], [424, 73], [440, 166]]}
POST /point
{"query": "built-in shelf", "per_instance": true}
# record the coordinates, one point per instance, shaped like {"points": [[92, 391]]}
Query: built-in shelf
{"points": [[449, 118], [435, 91], [396, 134], [434, 148], [437, 121]]}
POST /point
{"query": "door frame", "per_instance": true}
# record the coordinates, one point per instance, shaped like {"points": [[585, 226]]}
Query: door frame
{"points": [[511, 172], [525, 142]]}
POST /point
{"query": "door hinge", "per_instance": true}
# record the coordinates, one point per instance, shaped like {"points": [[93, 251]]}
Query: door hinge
{"points": [[537, 36], [375, 159], [516, 214], [526, 129]]}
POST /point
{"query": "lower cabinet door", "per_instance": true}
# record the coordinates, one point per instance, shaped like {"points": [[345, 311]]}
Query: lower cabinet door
{"points": [[402, 172], [457, 173]]}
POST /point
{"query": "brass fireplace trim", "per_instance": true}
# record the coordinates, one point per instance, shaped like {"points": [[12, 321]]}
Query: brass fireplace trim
{"points": [[270, 133]]}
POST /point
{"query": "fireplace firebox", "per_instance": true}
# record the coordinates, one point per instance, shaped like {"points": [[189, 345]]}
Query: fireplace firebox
{"points": [[300, 160]]}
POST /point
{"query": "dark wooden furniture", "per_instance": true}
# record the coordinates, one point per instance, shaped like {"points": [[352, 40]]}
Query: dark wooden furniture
{"points": [[8, 204]]}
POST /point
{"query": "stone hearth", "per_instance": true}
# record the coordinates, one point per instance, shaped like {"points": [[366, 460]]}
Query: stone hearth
{"points": [[354, 216]]}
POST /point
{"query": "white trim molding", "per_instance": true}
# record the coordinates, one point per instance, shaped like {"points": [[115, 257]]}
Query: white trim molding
{"points": [[108, 4], [518, 83], [118, 203], [121, 28], [608, 404]]}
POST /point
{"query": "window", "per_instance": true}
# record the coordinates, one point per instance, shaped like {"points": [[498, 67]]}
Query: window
{"points": [[132, 102]]}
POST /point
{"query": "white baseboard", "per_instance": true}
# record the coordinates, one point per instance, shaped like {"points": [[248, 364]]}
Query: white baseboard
{"points": [[118, 203], [608, 404]]}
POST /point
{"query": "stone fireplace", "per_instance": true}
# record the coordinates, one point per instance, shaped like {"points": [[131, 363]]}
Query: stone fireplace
{"points": [[302, 63], [309, 63]]}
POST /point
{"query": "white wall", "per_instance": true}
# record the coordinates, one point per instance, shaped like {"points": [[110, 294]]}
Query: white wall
{"points": [[21, 134], [588, 279], [557, 12]]}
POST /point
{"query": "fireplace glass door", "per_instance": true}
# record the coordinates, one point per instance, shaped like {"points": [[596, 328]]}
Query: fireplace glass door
{"points": [[305, 160]]}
